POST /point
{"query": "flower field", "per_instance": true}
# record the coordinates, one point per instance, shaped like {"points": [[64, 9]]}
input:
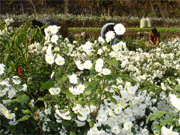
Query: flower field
{"points": [[75, 86]]}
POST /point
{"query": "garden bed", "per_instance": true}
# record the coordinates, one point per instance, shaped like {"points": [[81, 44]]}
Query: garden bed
{"points": [[128, 33]]}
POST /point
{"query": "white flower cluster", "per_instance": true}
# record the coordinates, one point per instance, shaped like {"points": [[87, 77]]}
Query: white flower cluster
{"points": [[119, 29], [35, 48], [9, 21], [93, 18], [7, 93], [121, 116], [7, 28], [148, 66]]}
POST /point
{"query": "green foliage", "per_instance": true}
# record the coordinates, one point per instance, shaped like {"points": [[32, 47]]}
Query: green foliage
{"points": [[47, 85], [156, 115], [167, 121]]}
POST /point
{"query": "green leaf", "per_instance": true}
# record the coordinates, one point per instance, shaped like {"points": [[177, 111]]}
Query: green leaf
{"points": [[177, 88], [26, 111], [87, 91], [114, 100], [66, 123], [9, 69], [93, 102], [72, 133], [47, 85], [113, 62], [91, 124], [18, 87], [23, 99], [87, 84], [166, 121], [63, 79], [93, 72], [24, 118], [156, 115], [98, 78], [69, 95]]}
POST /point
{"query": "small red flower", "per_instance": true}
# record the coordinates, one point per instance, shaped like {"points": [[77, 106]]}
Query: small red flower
{"points": [[19, 71], [21, 77]]}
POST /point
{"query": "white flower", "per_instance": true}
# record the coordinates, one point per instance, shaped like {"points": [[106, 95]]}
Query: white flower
{"points": [[11, 93], [119, 29], [102, 117], [132, 89], [52, 91], [80, 123], [127, 85], [128, 125], [83, 117], [112, 54], [163, 86], [79, 65], [88, 44], [57, 90], [118, 110], [47, 111], [5, 83], [115, 129], [119, 80], [2, 93], [98, 68], [100, 51], [106, 71], [74, 90], [109, 36], [60, 60], [166, 131], [16, 80], [73, 78], [92, 108], [87, 64], [44, 48], [2, 107], [64, 115], [49, 59], [54, 29], [81, 88], [54, 38], [99, 62], [175, 101], [52, 75], [87, 109], [56, 49], [47, 32], [115, 48], [24, 87], [77, 90], [70, 47], [124, 63], [13, 122], [76, 107], [10, 115], [101, 40], [2, 69]]}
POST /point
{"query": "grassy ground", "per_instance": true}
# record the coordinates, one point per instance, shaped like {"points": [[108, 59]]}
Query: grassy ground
{"points": [[173, 30]]}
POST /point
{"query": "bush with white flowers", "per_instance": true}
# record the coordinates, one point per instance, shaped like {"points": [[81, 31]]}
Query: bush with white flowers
{"points": [[90, 88]]}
